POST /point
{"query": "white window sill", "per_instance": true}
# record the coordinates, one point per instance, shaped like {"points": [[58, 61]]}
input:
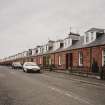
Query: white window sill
{"points": [[80, 64]]}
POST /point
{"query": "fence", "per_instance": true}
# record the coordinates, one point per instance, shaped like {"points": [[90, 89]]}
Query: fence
{"points": [[83, 71]]}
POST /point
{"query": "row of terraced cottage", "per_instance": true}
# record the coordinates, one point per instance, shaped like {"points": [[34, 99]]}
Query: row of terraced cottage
{"points": [[85, 52]]}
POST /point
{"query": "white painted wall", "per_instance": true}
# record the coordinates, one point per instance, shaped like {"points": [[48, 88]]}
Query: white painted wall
{"points": [[89, 34], [67, 42], [25, 54], [45, 48], [56, 45], [33, 52], [19, 55], [40, 49]]}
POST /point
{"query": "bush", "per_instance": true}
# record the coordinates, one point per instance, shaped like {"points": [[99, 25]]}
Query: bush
{"points": [[51, 67]]}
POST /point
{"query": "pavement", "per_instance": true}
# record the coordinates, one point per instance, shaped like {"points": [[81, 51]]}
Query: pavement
{"points": [[49, 88], [90, 80]]}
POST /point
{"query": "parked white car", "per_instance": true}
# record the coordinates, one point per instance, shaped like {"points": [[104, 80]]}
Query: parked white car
{"points": [[31, 66], [16, 65]]}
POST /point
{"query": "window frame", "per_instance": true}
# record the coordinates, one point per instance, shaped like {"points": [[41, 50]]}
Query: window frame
{"points": [[59, 60], [103, 57], [40, 60], [87, 38], [80, 58], [92, 36]]}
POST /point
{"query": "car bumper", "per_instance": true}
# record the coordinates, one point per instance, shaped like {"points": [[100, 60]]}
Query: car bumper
{"points": [[33, 70]]}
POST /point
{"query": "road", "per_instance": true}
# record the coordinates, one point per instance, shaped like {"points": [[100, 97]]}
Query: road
{"points": [[48, 88]]}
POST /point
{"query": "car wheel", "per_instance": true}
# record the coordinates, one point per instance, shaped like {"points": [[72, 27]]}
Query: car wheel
{"points": [[39, 71], [23, 70], [26, 71]]}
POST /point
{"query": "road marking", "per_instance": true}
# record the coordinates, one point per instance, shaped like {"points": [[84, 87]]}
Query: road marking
{"points": [[70, 95]]}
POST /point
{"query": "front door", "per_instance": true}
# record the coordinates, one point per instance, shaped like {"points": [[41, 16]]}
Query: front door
{"points": [[67, 63], [69, 60]]}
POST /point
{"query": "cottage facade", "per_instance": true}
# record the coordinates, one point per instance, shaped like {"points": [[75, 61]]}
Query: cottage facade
{"points": [[75, 51]]}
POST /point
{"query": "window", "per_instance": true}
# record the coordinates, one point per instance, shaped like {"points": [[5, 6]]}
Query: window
{"points": [[50, 48], [50, 61], [103, 57], [40, 49], [36, 51], [30, 51], [87, 38], [80, 58], [61, 45], [59, 60], [46, 48], [40, 60], [92, 36]]}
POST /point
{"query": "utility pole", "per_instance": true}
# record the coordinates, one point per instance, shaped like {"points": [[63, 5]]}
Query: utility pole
{"points": [[70, 30]]}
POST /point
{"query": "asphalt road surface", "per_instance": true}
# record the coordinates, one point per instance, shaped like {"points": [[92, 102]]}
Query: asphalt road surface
{"points": [[48, 88]]}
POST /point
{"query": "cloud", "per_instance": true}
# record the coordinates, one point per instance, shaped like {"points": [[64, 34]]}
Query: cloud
{"points": [[26, 23]]}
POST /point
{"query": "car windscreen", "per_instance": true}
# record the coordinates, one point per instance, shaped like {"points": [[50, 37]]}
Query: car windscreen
{"points": [[16, 63], [30, 64]]}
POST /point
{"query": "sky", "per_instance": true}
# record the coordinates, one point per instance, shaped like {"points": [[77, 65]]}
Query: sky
{"points": [[25, 24]]}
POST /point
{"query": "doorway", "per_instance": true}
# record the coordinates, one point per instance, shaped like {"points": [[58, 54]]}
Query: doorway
{"points": [[69, 60]]}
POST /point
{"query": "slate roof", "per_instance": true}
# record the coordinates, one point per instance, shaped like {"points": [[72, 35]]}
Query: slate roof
{"points": [[48, 52], [80, 44], [98, 41], [76, 34], [55, 51], [60, 49], [95, 29]]}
